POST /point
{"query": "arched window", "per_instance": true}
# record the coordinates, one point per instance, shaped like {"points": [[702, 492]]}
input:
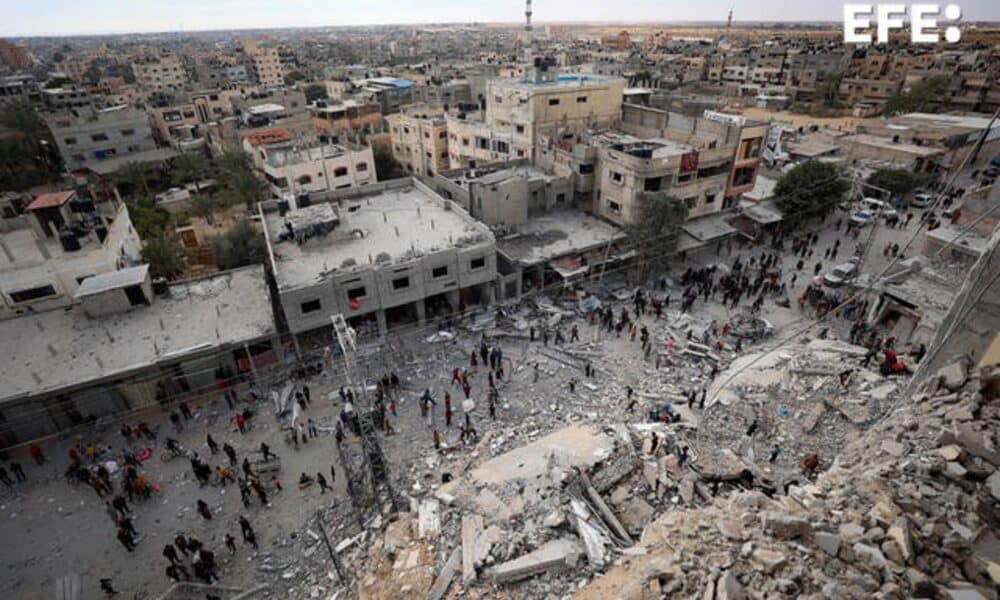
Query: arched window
{"points": [[340, 171], [304, 180]]}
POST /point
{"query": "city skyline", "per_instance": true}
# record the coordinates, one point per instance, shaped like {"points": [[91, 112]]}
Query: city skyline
{"points": [[106, 17]]}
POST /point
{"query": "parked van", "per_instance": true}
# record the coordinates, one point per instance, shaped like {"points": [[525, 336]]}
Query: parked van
{"points": [[878, 207]]}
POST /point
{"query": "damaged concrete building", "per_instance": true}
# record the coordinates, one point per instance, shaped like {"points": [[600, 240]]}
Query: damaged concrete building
{"points": [[384, 255]]}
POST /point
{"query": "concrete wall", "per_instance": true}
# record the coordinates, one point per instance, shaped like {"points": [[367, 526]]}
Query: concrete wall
{"points": [[380, 293]]}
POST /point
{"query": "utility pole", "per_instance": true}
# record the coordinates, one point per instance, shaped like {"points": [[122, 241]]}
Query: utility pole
{"points": [[337, 565]]}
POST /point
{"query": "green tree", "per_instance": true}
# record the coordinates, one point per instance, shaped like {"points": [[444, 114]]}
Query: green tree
{"points": [[137, 176], [811, 190], [240, 246], [654, 234], [25, 159], [164, 255], [190, 167], [203, 205], [926, 95], [238, 179], [386, 166], [899, 182], [148, 218], [315, 92]]}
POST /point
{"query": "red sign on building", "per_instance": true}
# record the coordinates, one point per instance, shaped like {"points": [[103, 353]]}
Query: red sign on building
{"points": [[689, 162]]}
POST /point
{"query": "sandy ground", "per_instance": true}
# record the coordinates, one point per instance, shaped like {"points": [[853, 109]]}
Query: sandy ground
{"points": [[51, 529]]}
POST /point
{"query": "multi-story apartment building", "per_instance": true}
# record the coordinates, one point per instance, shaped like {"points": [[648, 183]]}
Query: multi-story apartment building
{"points": [[705, 162], [160, 73], [301, 166], [104, 140], [74, 68], [348, 118], [267, 67], [518, 111], [420, 139], [17, 87], [384, 255], [14, 56], [65, 98], [447, 93], [55, 244], [182, 124]]}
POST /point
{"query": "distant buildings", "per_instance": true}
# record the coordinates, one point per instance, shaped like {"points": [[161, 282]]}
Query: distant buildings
{"points": [[14, 56], [160, 73]]}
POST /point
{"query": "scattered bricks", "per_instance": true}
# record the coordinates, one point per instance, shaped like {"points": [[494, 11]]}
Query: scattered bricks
{"points": [[786, 527]]}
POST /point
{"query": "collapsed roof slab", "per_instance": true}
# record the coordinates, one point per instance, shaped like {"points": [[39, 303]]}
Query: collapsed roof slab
{"points": [[576, 446]]}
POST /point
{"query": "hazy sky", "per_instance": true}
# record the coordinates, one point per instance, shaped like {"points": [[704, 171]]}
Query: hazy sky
{"points": [[54, 17]]}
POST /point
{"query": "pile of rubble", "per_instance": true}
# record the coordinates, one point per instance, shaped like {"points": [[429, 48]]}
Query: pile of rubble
{"points": [[909, 510]]}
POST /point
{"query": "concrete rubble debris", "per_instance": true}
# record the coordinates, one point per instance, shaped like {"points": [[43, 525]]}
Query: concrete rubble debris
{"points": [[554, 556], [429, 518]]}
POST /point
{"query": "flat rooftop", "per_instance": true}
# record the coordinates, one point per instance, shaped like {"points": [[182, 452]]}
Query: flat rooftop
{"points": [[887, 144], [399, 224], [225, 309], [487, 176], [560, 81], [556, 234]]}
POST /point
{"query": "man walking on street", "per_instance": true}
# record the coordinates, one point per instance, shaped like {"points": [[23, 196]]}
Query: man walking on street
{"points": [[323, 486], [170, 553], [266, 451], [230, 452], [248, 533]]}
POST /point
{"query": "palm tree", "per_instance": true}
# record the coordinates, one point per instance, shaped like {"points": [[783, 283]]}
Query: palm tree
{"points": [[164, 255], [188, 168], [239, 181]]}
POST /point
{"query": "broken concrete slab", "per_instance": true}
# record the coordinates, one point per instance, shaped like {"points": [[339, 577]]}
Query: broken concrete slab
{"points": [[575, 446], [554, 556], [827, 542], [472, 527], [952, 376], [786, 527], [768, 560], [440, 587], [429, 519], [595, 541], [993, 485]]}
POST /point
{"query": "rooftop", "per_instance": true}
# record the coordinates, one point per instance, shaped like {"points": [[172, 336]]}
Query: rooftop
{"points": [[487, 176], [549, 236], [110, 165], [198, 315], [560, 81], [50, 200], [385, 225], [887, 143], [268, 136]]}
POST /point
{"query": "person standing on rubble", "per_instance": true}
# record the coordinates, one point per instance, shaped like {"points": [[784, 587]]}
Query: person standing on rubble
{"points": [[447, 409], [753, 428], [775, 451]]}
